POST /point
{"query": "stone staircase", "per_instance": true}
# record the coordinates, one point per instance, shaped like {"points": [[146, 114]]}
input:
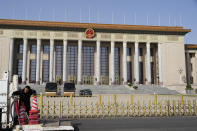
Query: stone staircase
{"points": [[120, 89], [151, 89], [104, 89], [112, 89]]}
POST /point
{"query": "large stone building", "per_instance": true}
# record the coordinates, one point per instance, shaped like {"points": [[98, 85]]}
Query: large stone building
{"points": [[89, 53]]}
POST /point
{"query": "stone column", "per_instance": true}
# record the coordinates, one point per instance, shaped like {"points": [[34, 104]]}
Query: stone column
{"points": [[64, 62], [79, 80], [38, 62], [24, 61], [125, 62], [51, 60], [148, 63], [11, 59], [112, 63], [136, 63], [98, 65], [160, 64], [188, 67]]}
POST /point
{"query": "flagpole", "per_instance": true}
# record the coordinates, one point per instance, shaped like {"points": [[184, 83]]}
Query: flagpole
{"points": [[26, 14], [80, 16], [147, 19], [112, 18], [124, 18], [13, 13], [65, 14], [53, 14], [97, 16], [39, 15], [89, 14], [180, 17]]}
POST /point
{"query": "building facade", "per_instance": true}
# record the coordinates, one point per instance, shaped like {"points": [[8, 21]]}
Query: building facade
{"points": [[95, 54], [191, 63]]}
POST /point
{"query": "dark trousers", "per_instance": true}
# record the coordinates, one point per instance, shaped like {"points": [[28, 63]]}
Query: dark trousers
{"points": [[27, 109]]}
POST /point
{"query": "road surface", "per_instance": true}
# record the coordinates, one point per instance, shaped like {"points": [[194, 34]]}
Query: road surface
{"points": [[137, 124]]}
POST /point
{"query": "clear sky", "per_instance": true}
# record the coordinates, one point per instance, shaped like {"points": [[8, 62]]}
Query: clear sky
{"points": [[140, 12]]}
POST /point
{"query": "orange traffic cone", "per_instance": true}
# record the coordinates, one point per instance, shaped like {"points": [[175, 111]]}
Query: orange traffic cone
{"points": [[22, 114], [33, 113]]}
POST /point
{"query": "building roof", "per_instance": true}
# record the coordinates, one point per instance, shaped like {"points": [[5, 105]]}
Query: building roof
{"points": [[191, 46], [30, 23]]}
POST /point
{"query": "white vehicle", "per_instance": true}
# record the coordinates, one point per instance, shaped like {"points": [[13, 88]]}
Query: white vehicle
{"points": [[5, 101]]}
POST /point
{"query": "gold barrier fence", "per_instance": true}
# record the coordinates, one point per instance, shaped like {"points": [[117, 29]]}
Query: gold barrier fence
{"points": [[133, 106]]}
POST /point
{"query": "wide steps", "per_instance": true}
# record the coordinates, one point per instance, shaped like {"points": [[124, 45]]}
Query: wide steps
{"points": [[112, 89]]}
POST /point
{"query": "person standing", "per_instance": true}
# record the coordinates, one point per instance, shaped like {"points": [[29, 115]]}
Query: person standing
{"points": [[25, 95]]}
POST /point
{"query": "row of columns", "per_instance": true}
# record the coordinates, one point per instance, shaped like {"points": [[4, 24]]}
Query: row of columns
{"points": [[79, 72]]}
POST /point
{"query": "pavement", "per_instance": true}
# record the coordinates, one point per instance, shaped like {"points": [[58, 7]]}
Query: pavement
{"points": [[182, 123]]}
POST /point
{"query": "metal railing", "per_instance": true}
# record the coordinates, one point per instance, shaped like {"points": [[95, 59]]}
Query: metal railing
{"points": [[133, 106], [88, 80], [117, 80], [104, 80], [72, 79]]}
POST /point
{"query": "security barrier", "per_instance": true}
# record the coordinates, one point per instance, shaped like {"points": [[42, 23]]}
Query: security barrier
{"points": [[112, 106], [88, 80], [104, 80], [72, 79], [117, 80]]}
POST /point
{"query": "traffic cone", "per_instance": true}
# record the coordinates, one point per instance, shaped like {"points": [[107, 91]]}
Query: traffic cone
{"points": [[33, 113], [34, 107], [22, 114]]}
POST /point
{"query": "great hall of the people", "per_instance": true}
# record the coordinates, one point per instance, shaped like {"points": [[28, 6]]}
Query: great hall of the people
{"points": [[96, 54]]}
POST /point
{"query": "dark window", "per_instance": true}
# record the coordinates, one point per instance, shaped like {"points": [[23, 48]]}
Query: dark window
{"points": [[151, 52], [117, 62], [191, 55], [72, 59], [129, 72], [33, 49], [191, 80], [59, 60], [104, 59], [88, 61], [191, 67], [141, 73], [45, 70], [152, 72], [20, 48], [46, 49], [32, 71], [140, 51], [128, 51], [19, 67]]}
